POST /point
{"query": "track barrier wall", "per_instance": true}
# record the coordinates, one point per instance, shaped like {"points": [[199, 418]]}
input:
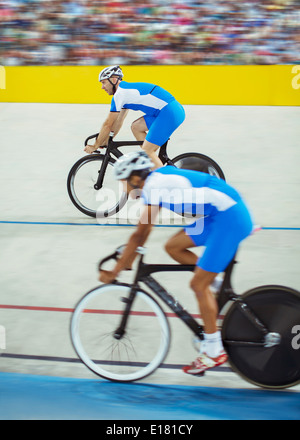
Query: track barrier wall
{"points": [[272, 85]]}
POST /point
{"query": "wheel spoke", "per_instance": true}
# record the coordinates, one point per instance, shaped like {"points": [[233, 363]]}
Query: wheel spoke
{"points": [[95, 203], [138, 353]]}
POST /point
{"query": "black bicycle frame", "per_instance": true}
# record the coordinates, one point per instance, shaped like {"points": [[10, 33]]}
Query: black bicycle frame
{"points": [[144, 275], [113, 149], [226, 294]]}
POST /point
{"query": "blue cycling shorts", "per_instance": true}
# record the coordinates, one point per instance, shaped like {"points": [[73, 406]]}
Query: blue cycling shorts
{"points": [[221, 235], [165, 123]]}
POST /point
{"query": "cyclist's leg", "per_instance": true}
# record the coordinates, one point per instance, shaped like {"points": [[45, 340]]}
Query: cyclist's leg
{"points": [[151, 149], [165, 123], [177, 247], [197, 234], [211, 349], [227, 230], [140, 127], [193, 235], [222, 236], [208, 306], [161, 129]]}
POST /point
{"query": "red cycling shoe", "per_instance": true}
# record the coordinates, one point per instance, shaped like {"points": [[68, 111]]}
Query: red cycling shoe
{"points": [[203, 363]]}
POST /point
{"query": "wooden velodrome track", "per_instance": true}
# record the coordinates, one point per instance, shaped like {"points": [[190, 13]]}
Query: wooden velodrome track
{"points": [[49, 253]]}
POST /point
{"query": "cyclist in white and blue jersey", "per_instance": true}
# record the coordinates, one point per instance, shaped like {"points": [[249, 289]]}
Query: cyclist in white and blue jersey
{"points": [[225, 221], [162, 113]]}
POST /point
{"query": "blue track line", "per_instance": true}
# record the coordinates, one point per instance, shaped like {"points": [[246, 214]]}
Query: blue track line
{"points": [[277, 228]]}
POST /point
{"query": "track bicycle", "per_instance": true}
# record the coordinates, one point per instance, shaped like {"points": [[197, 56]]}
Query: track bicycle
{"points": [[93, 189], [121, 333]]}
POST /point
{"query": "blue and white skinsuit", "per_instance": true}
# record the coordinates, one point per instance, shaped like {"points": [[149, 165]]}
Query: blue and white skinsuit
{"points": [[163, 114], [226, 220]]}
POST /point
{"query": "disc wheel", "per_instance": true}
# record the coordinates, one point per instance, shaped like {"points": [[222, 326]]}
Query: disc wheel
{"points": [[198, 162], [271, 361]]}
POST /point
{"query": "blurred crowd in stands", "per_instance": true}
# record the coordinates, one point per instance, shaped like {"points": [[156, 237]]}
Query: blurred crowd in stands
{"points": [[127, 32]]}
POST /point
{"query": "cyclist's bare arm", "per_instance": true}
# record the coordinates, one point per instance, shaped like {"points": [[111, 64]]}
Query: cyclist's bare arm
{"points": [[119, 122], [138, 238], [103, 135]]}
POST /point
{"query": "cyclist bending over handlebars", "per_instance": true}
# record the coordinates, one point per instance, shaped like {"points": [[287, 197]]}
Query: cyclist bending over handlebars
{"points": [[163, 114], [226, 223]]}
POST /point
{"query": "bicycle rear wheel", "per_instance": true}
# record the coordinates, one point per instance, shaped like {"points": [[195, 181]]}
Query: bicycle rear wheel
{"points": [[198, 162], [274, 366], [134, 356], [95, 203]]}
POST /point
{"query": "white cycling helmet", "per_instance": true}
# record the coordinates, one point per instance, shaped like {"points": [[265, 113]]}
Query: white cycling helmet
{"points": [[110, 71], [128, 163]]}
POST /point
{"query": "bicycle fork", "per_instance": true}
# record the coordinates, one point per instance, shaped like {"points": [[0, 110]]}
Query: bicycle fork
{"points": [[120, 331], [98, 185]]}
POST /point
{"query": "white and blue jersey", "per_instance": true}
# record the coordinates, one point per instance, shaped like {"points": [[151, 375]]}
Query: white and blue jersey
{"points": [[188, 192], [145, 97], [163, 114], [226, 220]]}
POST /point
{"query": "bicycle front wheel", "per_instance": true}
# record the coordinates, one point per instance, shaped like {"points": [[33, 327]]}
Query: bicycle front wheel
{"points": [[271, 361], [134, 356], [95, 203], [198, 162]]}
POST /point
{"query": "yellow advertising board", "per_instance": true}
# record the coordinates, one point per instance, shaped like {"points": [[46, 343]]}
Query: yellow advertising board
{"points": [[198, 85]]}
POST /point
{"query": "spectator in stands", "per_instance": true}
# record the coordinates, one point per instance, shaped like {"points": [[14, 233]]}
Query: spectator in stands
{"points": [[93, 32]]}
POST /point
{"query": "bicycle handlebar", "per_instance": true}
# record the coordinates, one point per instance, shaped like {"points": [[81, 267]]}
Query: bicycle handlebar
{"points": [[104, 260], [150, 268], [117, 144], [114, 256], [90, 137]]}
